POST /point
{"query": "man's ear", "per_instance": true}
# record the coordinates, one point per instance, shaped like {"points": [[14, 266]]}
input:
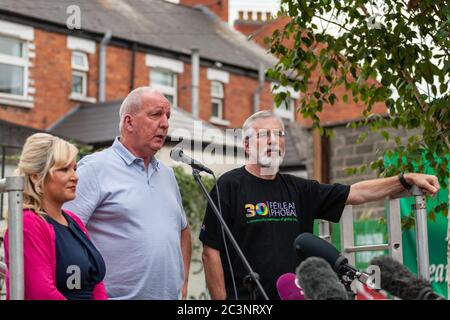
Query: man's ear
{"points": [[128, 122]]}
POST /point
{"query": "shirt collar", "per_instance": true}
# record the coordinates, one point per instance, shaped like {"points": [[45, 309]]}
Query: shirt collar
{"points": [[128, 157]]}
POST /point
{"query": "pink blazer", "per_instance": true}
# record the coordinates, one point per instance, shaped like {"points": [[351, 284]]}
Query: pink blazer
{"points": [[39, 246]]}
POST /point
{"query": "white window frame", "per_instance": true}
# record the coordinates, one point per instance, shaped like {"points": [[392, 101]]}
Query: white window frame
{"points": [[171, 91], [84, 56], [218, 75], [286, 114], [19, 62], [84, 84], [220, 103], [80, 71], [294, 97], [219, 99]]}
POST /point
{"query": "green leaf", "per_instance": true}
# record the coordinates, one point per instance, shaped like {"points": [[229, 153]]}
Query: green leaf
{"points": [[443, 88]]}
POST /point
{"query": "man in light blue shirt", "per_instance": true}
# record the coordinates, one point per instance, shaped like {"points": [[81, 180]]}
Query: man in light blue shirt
{"points": [[131, 205]]}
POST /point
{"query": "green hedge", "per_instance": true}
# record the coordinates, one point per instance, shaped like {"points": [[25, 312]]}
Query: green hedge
{"points": [[194, 202]]}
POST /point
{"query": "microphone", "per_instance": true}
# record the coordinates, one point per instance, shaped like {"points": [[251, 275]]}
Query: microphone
{"points": [[308, 245], [288, 289], [318, 280], [398, 280], [177, 154]]}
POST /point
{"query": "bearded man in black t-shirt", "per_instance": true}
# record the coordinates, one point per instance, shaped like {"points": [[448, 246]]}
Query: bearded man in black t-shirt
{"points": [[266, 210]]}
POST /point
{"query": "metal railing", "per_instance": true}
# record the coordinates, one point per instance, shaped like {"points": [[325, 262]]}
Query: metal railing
{"points": [[6, 151], [394, 244], [14, 187]]}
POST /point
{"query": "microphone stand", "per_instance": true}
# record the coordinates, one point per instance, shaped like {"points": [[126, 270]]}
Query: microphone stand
{"points": [[252, 278]]}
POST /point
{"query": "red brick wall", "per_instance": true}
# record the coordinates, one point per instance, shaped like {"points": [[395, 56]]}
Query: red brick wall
{"points": [[184, 88], [118, 72], [141, 71], [205, 111], [238, 100], [247, 27], [219, 7], [52, 80], [52, 74]]}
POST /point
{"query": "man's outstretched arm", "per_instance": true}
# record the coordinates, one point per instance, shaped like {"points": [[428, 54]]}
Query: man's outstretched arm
{"points": [[378, 189]]}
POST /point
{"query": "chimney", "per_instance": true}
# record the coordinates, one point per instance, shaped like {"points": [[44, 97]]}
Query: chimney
{"points": [[250, 25], [219, 7]]}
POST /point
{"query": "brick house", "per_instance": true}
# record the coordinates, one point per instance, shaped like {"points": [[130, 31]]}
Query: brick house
{"points": [[49, 69]]}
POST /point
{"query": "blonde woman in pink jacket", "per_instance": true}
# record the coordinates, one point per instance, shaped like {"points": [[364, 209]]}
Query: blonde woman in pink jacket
{"points": [[60, 261]]}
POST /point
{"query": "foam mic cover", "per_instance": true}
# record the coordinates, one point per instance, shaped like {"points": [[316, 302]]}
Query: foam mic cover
{"points": [[318, 280], [287, 288], [399, 281], [308, 245]]}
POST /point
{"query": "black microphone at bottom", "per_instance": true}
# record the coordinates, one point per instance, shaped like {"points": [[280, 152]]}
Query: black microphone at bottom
{"points": [[399, 281], [318, 280]]}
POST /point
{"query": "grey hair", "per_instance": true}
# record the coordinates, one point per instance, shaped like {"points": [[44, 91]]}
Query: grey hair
{"points": [[132, 103], [247, 126]]}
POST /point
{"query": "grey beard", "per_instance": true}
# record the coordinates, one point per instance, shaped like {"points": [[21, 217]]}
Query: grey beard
{"points": [[270, 162]]}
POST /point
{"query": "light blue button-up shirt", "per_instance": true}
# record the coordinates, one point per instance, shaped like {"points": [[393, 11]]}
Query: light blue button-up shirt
{"points": [[134, 216]]}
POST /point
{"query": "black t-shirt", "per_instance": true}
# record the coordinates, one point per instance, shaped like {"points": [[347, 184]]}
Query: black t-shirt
{"points": [[265, 217]]}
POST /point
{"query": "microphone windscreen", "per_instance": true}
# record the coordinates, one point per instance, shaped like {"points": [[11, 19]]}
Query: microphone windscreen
{"points": [[287, 289], [308, 245], [398, 280], [176, 154], [319, 282]]}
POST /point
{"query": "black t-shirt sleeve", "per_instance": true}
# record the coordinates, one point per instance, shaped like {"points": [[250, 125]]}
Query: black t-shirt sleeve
{"points": [[328, 200], [211, 231]]}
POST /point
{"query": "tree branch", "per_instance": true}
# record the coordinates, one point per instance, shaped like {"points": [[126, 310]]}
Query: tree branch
{"points": [[335, 23], [407, 77]]}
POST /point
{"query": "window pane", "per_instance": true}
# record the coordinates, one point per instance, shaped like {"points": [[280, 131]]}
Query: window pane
{"points": [[77, 84], [170, 98], [163, 78], [79, 60], [11, 79], [216, 106], [287, 107], [11, 47], [284, 106], [217, 89]]}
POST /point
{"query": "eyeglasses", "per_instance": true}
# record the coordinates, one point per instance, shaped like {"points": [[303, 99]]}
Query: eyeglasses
{"points": [[263, 134]]}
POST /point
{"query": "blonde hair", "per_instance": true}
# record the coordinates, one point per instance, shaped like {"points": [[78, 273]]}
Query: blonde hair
{"points": [[42, 154]]}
